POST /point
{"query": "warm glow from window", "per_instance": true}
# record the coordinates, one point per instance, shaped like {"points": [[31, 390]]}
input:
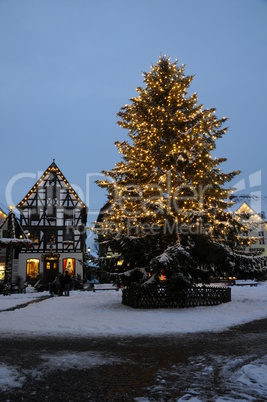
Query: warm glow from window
{"points": [[162, 276], [32, 268], [69, 265], [2, 271]]}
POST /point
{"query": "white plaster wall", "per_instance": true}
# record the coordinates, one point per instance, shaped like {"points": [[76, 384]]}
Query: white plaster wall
{"points": [[23, 257]]}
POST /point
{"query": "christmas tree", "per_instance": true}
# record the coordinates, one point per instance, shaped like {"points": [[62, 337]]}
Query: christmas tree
{"points": [[168, 194]]}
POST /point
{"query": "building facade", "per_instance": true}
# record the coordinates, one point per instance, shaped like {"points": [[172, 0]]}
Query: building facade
{"points": [[258, 229], [54, 218]]}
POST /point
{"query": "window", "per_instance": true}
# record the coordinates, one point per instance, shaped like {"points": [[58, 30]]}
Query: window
{"points": [[51, 236], [5, 233], [32, 269], [69, 265], [34, 235], [51, 211], [68, 234], [68, 217], [35, 215], [2, 271]]}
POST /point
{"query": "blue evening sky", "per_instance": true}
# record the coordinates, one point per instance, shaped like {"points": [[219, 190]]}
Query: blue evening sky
{"points": [[68, 66]]}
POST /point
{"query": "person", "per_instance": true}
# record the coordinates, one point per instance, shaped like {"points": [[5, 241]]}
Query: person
{"points": [[67, 282]]}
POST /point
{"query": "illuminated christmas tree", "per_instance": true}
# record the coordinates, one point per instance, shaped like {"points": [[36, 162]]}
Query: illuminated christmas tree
{"points": [[168, 194]]}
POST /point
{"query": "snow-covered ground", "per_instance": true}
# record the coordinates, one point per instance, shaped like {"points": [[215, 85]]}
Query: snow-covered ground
{"points": [[102, 313]]}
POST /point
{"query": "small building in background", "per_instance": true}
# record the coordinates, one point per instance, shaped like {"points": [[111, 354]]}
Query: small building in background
{"points": [[3, 233], [257, 223], [13, 240]]}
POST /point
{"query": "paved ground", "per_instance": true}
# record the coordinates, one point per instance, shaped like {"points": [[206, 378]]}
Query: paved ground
{"points": [[135, 369]]}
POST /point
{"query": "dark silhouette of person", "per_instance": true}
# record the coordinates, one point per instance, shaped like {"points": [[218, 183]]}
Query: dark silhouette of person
{"points": [[67, 283]]}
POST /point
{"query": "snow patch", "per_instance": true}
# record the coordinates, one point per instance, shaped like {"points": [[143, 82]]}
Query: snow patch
{"points": [[10, 377]]}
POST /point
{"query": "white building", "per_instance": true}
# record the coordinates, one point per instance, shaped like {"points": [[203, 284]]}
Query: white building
{"points": [[258, 229]]}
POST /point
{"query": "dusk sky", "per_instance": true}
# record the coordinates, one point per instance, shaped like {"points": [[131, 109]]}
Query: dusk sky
{"points": [[68, 66]]}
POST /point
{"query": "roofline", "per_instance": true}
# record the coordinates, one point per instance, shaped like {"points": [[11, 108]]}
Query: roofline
{"points": [[52, 167], [254, 212]]}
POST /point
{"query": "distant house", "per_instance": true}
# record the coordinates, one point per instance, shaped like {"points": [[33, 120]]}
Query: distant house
{"points": [[12, 240], [258, 230], [54, 218], [2, 250]]}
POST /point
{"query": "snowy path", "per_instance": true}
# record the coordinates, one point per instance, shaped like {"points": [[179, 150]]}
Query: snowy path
{"points": [[215, 367]]}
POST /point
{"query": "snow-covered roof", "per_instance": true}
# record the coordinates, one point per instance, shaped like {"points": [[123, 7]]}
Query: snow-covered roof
{"points": [[256, 202], [15, 241], [247, 209], [14, 230]]}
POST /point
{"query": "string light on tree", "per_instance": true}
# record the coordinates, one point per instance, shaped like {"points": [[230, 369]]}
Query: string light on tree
{"points": [[168, 177]]}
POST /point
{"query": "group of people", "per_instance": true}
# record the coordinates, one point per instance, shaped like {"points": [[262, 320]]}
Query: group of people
{"points": [[65, 282]]}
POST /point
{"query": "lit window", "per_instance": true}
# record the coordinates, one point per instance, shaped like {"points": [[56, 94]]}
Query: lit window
{"points": [[69, 265], [32, 269], [34, 235], [2, 271]]}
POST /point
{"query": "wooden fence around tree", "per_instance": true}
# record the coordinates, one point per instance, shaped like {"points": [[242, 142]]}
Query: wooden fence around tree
{"points": [[161, 297]]}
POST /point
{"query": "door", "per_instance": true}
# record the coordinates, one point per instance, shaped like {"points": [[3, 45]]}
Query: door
{"points": [[51, 269]]}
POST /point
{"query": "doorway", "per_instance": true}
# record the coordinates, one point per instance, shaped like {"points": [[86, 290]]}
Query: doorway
{"points": [[51, 269]]}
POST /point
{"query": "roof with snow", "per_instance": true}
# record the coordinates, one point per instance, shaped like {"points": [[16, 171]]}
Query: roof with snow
{"points": [[244, 208], [16, 234], [257, 203]]}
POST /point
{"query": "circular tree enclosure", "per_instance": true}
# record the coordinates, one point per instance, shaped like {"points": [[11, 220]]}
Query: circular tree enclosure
{"points": [[161, 297]]}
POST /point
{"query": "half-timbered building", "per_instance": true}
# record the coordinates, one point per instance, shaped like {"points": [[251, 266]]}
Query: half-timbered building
{"points": [[54, 218]]}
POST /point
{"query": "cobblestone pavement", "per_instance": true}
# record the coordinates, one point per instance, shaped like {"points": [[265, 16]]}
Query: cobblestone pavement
{"points": [[174, 368]]}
